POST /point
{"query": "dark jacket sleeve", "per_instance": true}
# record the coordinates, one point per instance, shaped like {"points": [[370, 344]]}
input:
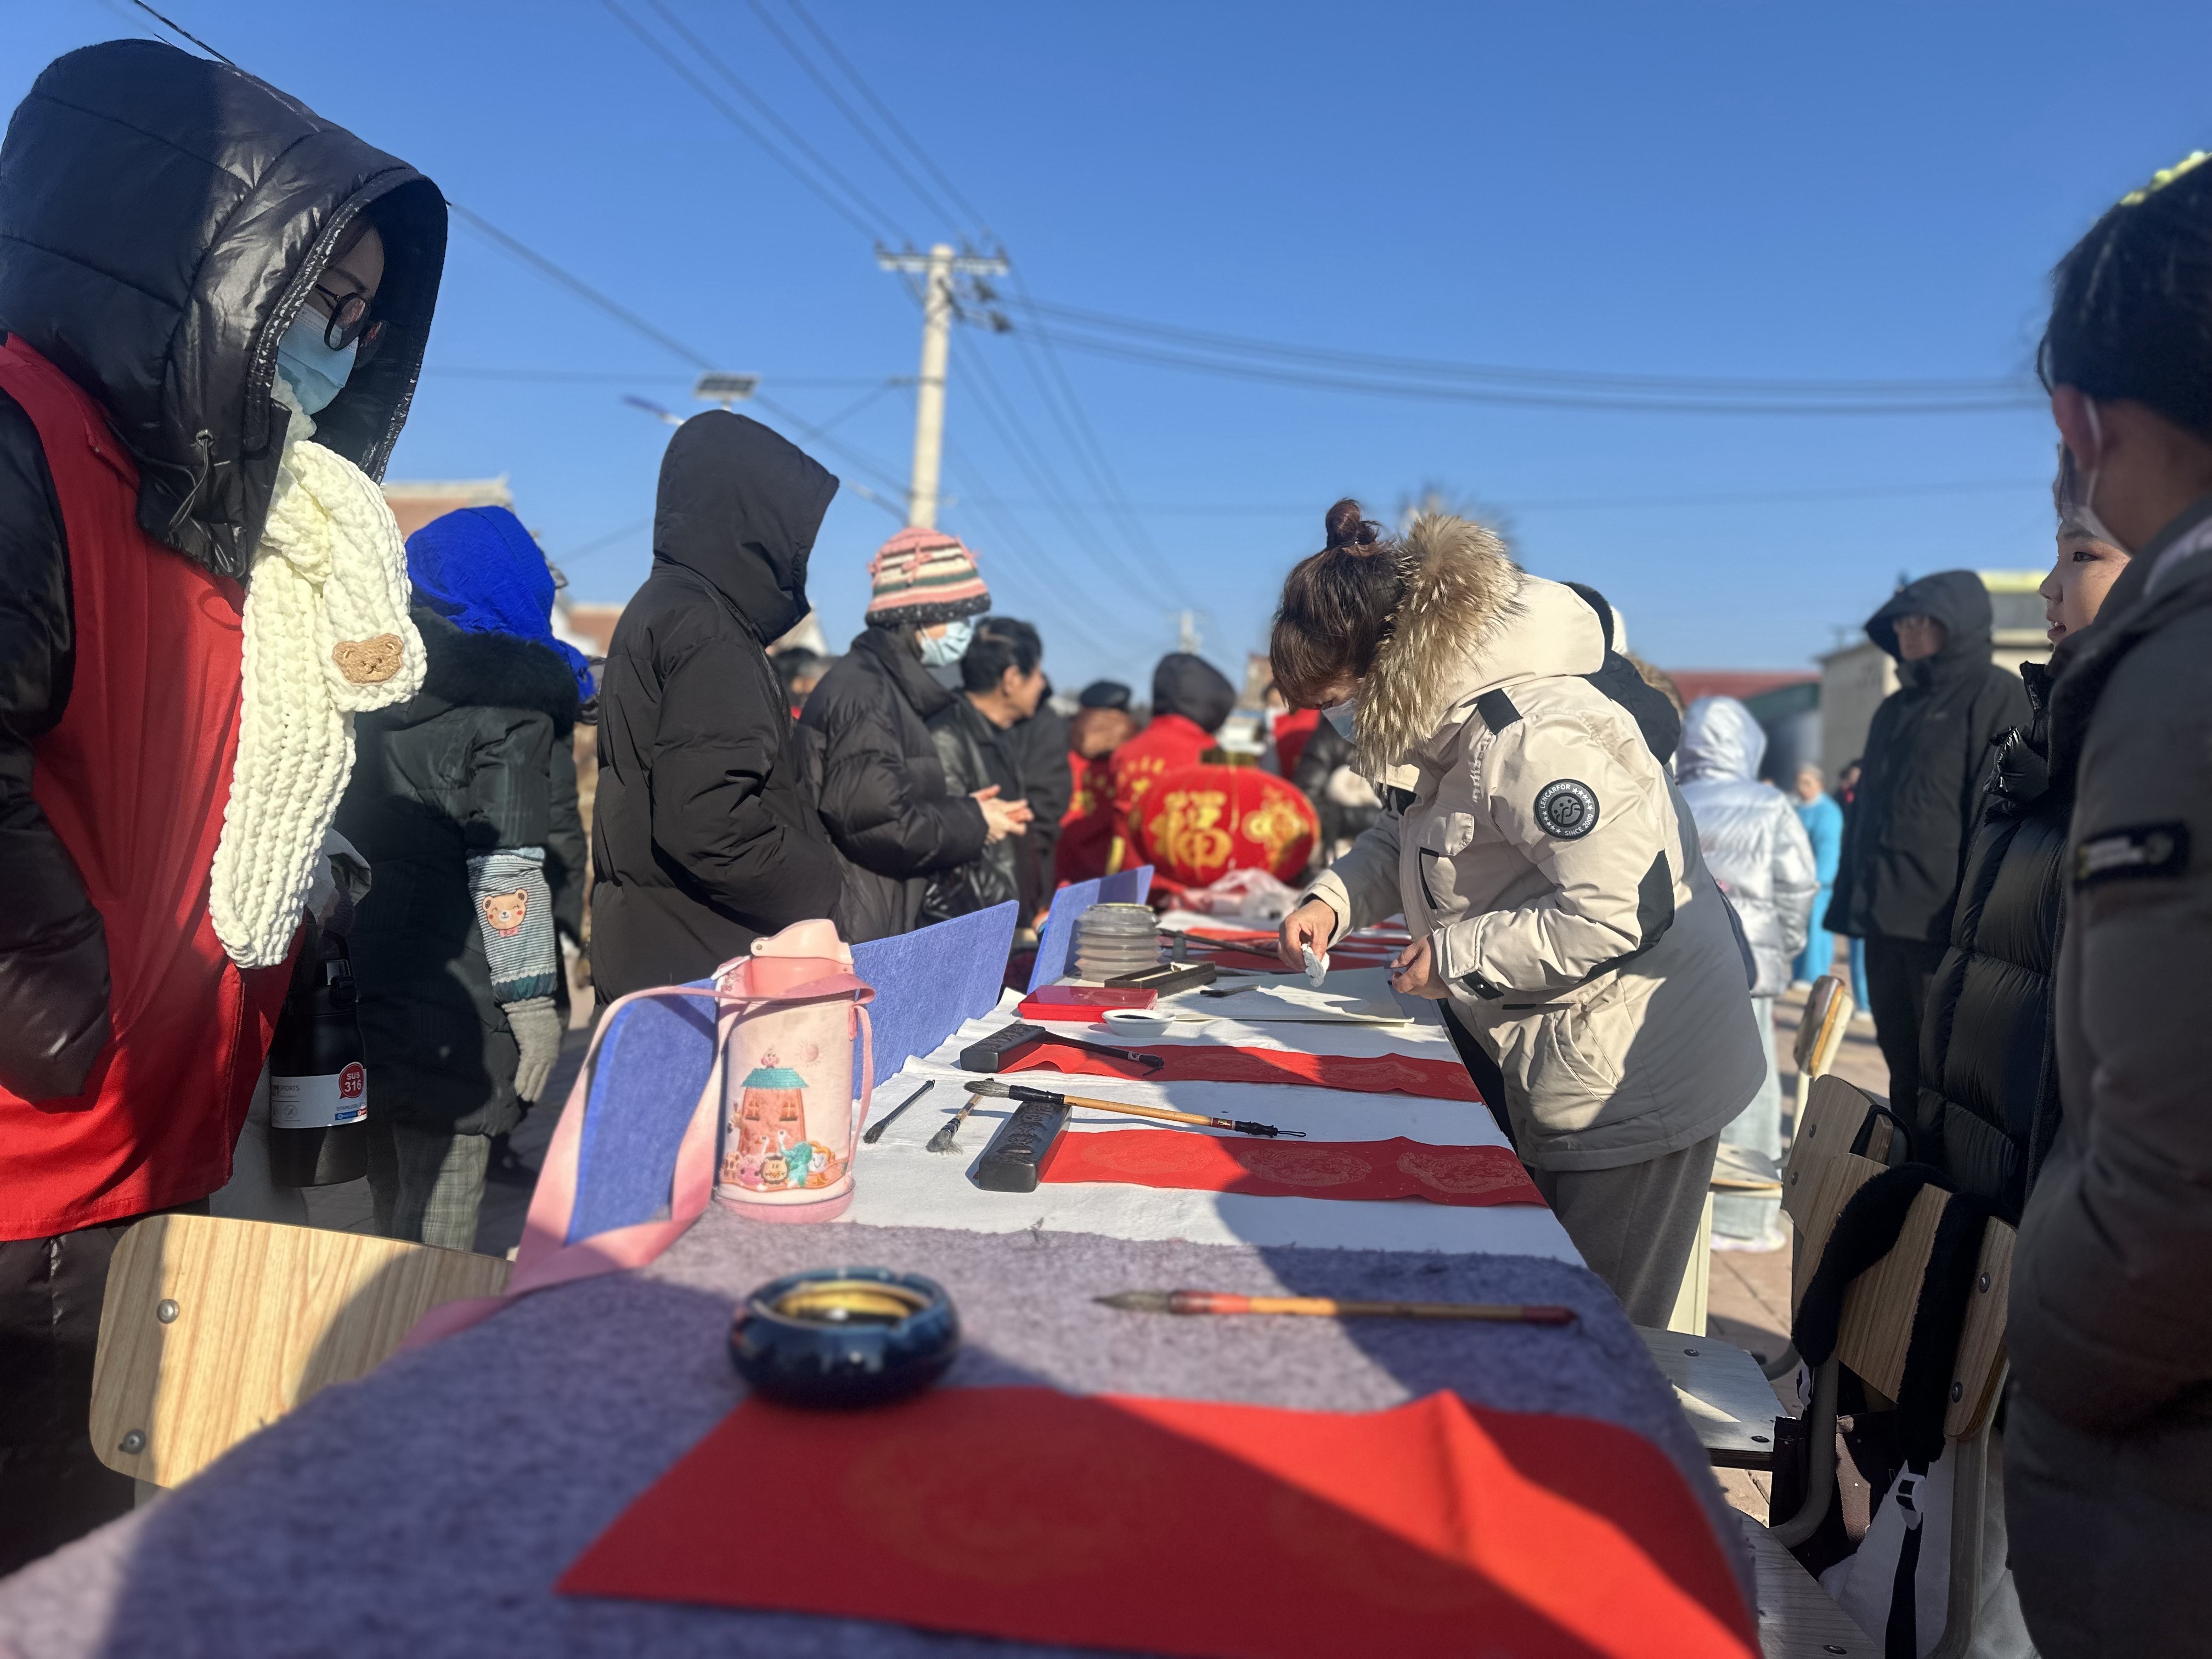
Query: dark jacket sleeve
{"points": [[53, 948], [1048, 784], [880, 819], [510, 786], [566, 850], [2002, 706], [723, 734]]}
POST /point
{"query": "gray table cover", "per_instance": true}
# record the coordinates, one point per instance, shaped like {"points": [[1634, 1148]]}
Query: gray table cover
{"points": [[427, 1508]]}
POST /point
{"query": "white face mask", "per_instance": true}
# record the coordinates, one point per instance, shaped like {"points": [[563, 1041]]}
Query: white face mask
{"points": [[1345, 717], [2085, 510]]}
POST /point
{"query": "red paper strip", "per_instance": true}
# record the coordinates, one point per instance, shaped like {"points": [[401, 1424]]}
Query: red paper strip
{"points": [[1373, 1074], [1397, 1168], [1186, 1527]]}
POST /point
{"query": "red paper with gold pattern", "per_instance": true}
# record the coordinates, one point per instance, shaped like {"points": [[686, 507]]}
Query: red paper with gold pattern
{"points": [[1189, 1161], [1382, 1074], [1218, 1531], [1196, 824]]}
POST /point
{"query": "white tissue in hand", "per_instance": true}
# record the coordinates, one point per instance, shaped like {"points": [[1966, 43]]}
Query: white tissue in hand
{"points": [[1316, 966]]}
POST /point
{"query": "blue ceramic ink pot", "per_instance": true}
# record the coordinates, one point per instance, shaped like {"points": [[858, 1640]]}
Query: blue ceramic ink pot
{"points": [[845, 1336]]}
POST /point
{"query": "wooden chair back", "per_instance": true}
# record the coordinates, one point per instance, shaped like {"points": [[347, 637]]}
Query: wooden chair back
{"points": [[213, 1327], [1822, 1176], [1821, 1028]]}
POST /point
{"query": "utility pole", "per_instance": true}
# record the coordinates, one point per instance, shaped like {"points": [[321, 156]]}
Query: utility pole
{"points": [[937, 269], [1187, 637]]}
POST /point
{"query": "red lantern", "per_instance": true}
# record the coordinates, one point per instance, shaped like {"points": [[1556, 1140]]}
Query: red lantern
{"points": [[1199, 822]]}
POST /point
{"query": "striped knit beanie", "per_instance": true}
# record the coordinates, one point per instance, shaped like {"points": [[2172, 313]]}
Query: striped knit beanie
{"points": [[924, 577]]}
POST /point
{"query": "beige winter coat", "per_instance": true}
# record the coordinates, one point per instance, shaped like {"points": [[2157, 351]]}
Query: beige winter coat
{"points": [[1544, 854]]}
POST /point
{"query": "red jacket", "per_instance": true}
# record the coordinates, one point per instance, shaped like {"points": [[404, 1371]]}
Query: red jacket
{"points": [[1086, 829], [134, 779], [1171, 743]]}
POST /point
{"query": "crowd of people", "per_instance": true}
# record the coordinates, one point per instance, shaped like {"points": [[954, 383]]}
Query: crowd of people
{"points": [[234, 705]]}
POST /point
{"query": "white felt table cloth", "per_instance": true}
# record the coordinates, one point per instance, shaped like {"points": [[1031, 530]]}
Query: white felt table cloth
{"points": [[900, 1183]]}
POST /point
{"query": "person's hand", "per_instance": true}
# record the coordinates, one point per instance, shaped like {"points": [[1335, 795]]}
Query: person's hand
{"points": [[1414, 973], [1001, 818], [1311, 923], [536, 1024]]}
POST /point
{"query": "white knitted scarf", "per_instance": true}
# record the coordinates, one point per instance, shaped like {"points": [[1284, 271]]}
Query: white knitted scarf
{"points": [[327, 636]]}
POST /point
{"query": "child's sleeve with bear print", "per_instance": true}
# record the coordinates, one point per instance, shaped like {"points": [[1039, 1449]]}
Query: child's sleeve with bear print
{"points": [[514, 914]]}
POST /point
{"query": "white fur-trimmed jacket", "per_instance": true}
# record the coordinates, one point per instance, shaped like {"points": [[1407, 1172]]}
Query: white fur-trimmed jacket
{"points": [[1549, 860]]}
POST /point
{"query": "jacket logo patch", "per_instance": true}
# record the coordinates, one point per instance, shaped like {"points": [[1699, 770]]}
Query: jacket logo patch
{"points": [[1566, 808], [2147, 849]]}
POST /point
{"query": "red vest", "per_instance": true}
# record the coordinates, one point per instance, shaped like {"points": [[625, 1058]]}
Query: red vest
{"points": [[134, 781], [1086, 829]]}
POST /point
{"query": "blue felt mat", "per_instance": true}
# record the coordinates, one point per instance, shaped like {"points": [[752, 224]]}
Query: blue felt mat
{"points": [[657, 1057]]}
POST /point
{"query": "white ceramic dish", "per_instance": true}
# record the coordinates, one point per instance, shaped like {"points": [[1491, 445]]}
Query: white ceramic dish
{"points": [[1136, 1022]]}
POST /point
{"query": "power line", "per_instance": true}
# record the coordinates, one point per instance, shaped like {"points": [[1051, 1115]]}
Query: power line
{"points": [[837, 101], [178, 28], [1272, 375], [884, 110], [577, 286], [1600, 503], [629, 377], [721, 107], [1247, 345], [860, 458], [997, 409]]}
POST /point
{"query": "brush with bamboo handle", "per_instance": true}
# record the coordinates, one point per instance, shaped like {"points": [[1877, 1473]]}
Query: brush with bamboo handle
{"points": [[1020, 1091], [1325, 1306]]}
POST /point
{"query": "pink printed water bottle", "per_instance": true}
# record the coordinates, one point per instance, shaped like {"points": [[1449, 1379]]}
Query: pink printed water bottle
{"points": [[791, 1119]]}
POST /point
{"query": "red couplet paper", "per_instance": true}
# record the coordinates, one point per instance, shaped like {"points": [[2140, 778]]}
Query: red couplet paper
{"points": [[1397, 1168], [1377, 1074], [1179, 1527]]}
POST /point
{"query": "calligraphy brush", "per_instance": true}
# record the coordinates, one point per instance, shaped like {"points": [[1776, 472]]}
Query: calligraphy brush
{"points": [[947, 1139], [876, 1129], [1324, 1306], [1018, 1091]]}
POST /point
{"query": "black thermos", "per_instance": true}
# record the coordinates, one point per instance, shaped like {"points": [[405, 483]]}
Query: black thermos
{"points": [[318, 1077]]}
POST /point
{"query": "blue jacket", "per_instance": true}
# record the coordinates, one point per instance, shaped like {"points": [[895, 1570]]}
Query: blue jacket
{"points": [[1823, 819]]}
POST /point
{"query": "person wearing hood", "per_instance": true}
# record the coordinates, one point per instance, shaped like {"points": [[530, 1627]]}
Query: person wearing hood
{"points": [[1927, 758], [2108, 1447], [703, 835], [891, 817], [455, 806], [214, 305], [1547, 867], [1759, 855], [1191, 699]]}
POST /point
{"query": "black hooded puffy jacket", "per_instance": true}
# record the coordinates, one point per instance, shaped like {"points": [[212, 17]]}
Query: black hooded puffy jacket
{"points": [[1927, 757], [703, 838], [163, 220], [885, 799]]}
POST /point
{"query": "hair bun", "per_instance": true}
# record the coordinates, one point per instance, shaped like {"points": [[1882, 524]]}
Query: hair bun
{"points": [[1348, 528]]}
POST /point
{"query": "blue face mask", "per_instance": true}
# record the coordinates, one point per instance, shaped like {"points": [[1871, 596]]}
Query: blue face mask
{"points": [[1344, 716], [314, 371], [948, 647]]}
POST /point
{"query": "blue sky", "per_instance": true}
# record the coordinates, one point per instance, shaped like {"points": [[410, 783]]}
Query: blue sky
{"points": [[1871, 192]]}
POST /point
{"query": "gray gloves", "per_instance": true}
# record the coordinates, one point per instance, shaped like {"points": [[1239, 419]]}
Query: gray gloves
{"points": [[536, 1024]]}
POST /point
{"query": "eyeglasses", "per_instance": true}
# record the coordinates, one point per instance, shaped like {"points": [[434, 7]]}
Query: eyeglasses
{"points": [[350, 324]]}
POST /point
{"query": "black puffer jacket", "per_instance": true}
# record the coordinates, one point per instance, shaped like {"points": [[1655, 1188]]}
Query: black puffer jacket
{"points": [[883, 794], [1927, 758], [163, 220], [702, 837], [1989, 1078], [975, 754], [464, 767]]}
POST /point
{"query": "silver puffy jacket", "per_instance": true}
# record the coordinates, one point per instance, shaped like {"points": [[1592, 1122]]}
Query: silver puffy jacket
{"points": [[1752, 840]]}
